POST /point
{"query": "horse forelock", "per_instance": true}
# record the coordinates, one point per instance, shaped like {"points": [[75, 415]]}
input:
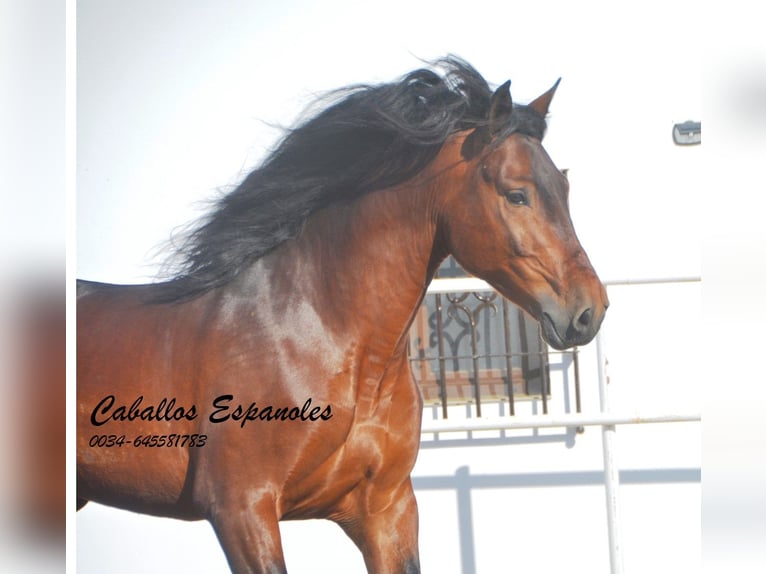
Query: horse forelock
{"points": [[526, 121]]}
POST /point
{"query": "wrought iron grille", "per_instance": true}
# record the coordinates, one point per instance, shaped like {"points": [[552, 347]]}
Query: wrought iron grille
{"points": [[477, 347]]}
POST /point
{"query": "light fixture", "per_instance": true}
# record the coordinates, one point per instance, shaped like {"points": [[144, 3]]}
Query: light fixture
{"points": [[687, 133]]}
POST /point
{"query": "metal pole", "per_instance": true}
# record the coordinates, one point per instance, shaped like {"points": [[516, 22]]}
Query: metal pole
{"points": [[440, 350], [552, 421], [508, 353], [456, 284], [611, 471]]}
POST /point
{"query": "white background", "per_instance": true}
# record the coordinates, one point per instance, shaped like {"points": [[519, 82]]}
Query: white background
{"points": [[175, 98]]}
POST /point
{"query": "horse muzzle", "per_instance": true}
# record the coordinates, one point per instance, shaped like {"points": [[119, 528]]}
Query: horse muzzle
{"points": [[563, 329]]}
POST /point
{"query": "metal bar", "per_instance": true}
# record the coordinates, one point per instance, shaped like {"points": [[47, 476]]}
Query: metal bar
{"points": [[508, 354], [440, 351], [456, 284], [611, 471], [545, 375], [552, 421], [475, 363], [578, 401], [576, 365], [653, 280]]}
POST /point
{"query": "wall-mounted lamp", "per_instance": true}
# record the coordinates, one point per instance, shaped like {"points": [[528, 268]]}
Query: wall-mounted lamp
{"points": [[687, 133]]}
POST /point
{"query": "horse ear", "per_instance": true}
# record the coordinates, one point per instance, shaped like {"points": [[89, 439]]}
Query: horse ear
{"points": [[541, 104], [500, 108]]}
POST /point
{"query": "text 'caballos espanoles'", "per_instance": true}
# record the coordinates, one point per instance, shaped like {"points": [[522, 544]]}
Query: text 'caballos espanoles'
{"points": [[223, 409]]}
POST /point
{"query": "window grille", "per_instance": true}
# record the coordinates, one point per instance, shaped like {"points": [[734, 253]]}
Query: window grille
{"points": [[476, 347]]}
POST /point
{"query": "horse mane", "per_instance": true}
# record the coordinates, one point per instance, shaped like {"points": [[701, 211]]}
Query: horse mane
{"points": [[369, 137]]}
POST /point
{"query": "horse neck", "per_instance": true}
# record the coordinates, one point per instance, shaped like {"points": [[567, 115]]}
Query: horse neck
{"points": [[377, 257], [365, 265]]}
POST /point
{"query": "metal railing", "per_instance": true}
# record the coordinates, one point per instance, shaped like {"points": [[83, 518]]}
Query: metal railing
{"points": [[473, 346], [606, 419]]}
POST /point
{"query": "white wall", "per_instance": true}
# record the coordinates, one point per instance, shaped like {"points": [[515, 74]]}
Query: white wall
{"points": [[174, 99]]}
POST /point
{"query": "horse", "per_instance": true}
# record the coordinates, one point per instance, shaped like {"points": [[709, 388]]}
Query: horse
{"points": [[267, 378]]}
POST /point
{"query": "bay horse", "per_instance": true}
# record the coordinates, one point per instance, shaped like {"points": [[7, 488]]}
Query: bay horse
{"points": [[268, 378]]}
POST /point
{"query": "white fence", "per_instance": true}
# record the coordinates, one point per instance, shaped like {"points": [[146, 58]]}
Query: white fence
{"points": [[607, 420]]}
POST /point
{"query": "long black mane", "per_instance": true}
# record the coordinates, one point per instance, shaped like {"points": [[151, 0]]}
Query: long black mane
{"points": [[371, 137]]}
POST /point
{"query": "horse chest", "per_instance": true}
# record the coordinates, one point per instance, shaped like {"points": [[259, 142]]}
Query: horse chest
{"points": [[377, 451]]}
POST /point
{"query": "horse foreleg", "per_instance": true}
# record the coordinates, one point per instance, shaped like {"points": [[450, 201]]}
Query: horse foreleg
{"points": [[385, 528], [249, 536]]}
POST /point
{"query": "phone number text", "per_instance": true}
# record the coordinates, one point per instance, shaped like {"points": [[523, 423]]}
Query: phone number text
{"points": [[148, 441]]}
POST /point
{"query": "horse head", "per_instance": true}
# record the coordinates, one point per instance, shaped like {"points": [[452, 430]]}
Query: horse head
{"points": [[508, 222]]}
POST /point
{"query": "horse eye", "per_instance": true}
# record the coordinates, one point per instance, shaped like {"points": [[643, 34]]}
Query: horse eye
{"points": [[516, 197]]}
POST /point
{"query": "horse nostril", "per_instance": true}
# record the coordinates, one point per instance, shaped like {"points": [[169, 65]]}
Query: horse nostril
{"points": [[585, 318]]}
